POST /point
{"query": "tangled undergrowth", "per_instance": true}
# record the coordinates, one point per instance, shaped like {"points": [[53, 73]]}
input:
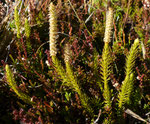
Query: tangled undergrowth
{"points": [[70, 61]]}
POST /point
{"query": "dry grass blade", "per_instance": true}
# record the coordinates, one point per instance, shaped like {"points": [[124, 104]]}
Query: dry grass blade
{"points": [[134, 115]]}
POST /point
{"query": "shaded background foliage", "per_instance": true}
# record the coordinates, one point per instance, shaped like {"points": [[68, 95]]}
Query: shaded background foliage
{"points": [[57, 103]]}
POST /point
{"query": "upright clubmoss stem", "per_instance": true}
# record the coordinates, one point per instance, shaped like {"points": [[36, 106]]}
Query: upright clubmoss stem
{"points": [[12, 83], [27, 29], [27, 34], [17, 22], [106, 70], [73, 82], [127, 85]]}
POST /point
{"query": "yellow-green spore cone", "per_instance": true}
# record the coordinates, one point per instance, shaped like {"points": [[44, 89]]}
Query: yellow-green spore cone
{"points": [[109, 25], [52, 29]]}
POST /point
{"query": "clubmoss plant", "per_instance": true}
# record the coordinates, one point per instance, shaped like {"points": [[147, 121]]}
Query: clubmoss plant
{"points": [[53, 41], [127, 84], [17, 22], [106, 68], [27, 34], [73, 83], [67, 76], [11, 81]]}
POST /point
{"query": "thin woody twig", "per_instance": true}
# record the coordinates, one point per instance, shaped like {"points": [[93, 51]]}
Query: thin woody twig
{"points": [[99, 114]]}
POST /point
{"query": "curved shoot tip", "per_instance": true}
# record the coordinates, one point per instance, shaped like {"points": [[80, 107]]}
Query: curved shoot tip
{"points": [[136, 40], [6, 66]]}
